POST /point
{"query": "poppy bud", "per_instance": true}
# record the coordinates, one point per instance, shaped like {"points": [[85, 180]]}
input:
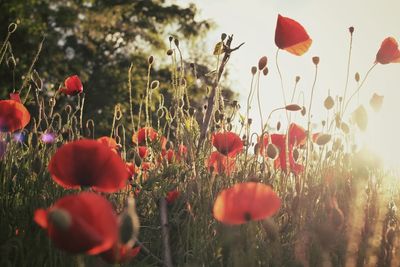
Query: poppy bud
{"points": [[170, 38], [11, 63], [223, 36], [323, 139], [345, 128], [176, 42], [293, 107], [265, 71], [137, 159], [351, 29], [253, 70], [297, 79], [315, 60], [150, 60], [357, 77], [272, 151], [12, 27], [60, 218], [303, 111], [170, 52], [154, 85], [278, 126], [262, 63], [328, 103]]}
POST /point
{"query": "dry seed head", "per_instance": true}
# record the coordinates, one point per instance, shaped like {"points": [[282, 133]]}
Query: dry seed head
{"points": [[262, 63], [315, 60], [171, 38]]}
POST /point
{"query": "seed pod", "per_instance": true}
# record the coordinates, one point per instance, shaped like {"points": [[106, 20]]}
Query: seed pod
{"points": [[170, 38], [315, 60], [351, 29], [253, 70], [293, 107], [265, 71], [278, 126], [170, 52], [272, 151], [323, 139], [329, 102], [262, 63], [137, 159]]}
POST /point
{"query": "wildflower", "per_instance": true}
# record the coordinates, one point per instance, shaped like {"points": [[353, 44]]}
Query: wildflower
{"points": [[227, 143], [245, 202], [48, 138], [88, 163], [72, 86], [143, 151], [139, 138], [13, 116], [172, 196], [388, 52], [83, 223], [291, 36], [109, 142], [219, 163]]}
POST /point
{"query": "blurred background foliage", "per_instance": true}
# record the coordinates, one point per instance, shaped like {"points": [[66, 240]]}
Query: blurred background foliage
{"points": [[98, 40]]}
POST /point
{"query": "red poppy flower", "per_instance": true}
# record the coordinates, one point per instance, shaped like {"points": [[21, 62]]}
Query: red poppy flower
{"points": [[72, 86], [139, 138], [132, 169], [168, 155], [172, 196], [280, 141], [83, 223], [389, 52], [245, 202], [291, 36], [218, 163], [88, 163], [143, 151], [16, 97], [13, 116], [227, 143], [109, 142], [120, 253], [297, 135]]}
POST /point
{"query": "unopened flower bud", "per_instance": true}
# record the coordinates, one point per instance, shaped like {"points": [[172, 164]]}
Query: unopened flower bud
{"points": [[351, 29], [315, 60], [253, 70], [265, 71], [262, 63]]}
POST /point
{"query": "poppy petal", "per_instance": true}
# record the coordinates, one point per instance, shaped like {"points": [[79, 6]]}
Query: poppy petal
{"points": [[88, 163], [13, 116], [245, 202], [389, 52], [227, 143], [291, 36]]}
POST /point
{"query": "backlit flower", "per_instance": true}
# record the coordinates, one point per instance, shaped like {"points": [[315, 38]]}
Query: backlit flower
{"points": [[227, 143], [13, 116], [72, 86]]}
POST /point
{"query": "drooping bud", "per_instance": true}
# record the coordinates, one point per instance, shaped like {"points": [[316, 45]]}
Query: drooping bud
{"points": [[265, 71], [293, 107], [262, 63], [357, 77]]}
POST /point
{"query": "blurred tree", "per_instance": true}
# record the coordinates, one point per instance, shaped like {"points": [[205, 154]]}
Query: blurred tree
{"points": [[98, 40]]}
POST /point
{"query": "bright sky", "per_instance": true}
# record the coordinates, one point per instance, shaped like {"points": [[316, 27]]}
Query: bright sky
{"points": [[327, 22]]}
